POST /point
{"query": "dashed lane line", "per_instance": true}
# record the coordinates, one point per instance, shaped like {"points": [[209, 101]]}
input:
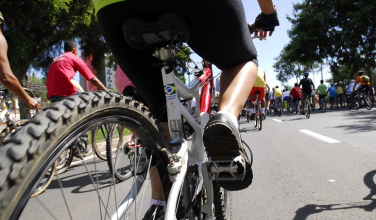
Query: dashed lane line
{"points": [[277, 120], [321, 137]]}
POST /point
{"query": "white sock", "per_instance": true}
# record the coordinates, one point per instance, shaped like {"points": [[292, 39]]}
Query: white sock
{"points": [[252, 110], [233, 118], [262, 110], [157, 202]]}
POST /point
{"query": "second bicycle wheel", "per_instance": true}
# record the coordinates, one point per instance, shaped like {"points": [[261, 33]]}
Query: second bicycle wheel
{"points": [[32, 150], [129, 154]]}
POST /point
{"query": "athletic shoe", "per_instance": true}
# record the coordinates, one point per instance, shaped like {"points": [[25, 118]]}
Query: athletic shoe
{"points": [[222, 138], [253, 116]]}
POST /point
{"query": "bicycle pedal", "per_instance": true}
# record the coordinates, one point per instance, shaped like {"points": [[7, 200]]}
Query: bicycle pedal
{"points": [[227, 168]]}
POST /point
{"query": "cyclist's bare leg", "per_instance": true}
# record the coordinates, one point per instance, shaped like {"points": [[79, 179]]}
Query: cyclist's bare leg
{"points": [[236, 84]]}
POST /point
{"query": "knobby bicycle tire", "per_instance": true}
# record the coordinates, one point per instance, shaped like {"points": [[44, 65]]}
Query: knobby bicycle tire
{"points": [[31, 151], [222, 202], [100, 148], [6, 132]]}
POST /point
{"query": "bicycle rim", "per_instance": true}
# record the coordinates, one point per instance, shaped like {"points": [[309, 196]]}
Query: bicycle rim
{"points": [[99, 138], [64, 160], [45, 181], [128, 155], [51, 132]]}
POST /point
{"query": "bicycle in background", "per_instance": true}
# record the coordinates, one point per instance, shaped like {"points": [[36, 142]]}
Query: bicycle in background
{"points": [[307, 106], [278, 105], [363, 99]]}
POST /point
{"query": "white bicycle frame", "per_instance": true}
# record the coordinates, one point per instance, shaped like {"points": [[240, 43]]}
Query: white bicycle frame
{"points": [[184, 155], [193, 155]]}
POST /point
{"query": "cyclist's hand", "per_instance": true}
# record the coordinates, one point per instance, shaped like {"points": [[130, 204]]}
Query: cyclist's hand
{"points": [[33, 104], [264, 23]]}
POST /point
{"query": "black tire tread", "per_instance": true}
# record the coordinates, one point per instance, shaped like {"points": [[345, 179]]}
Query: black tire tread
{"points": [[24, 154]]}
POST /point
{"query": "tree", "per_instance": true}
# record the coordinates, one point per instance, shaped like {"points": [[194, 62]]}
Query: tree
{"points": [[35, 29], [340, 31], [182, 63]]}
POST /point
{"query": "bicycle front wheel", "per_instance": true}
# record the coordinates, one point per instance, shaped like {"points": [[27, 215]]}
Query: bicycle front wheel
{"points": [[32, 150]]}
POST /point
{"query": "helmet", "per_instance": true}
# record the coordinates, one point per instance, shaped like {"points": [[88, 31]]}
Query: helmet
{"points": [[1, 16], [360, 73], [353, 80], [306, 73]]}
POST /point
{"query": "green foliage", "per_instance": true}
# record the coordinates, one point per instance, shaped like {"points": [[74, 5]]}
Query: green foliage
{"points": [[340, 31], [287, 87], [35, 30], [182, 63]]}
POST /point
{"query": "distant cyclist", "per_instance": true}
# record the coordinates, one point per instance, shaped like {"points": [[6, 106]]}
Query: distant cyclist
{"points": [[277, 93], [306, 84], [63, 69], [286, 95], [321, 91], [267, 99], [332, 94], [296, 94], [259, 85], [364, 83], [339, 93]]}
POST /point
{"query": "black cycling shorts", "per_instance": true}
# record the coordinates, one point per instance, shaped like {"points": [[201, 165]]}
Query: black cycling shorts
{"points": [[219, 34]]}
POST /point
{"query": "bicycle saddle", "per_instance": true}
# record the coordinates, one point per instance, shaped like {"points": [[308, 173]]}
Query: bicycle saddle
{"points": [[257, 91], [143, 32]]}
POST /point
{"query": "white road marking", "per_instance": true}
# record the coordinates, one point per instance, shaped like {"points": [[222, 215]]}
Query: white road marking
{"points": [[319, 136], [331, 180], [85, 158], [277, 120]]}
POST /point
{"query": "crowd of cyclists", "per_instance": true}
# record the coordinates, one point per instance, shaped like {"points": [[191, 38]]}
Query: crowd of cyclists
{"points": [[325, 97]]}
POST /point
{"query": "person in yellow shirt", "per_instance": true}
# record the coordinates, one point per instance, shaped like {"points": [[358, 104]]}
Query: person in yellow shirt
{"points": [[259, 85], [364, 84], [277, 93], [339, 95]]}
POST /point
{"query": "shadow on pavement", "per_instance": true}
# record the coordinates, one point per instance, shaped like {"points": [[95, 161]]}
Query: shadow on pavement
{"points": [[364, 121], [310, 209]]}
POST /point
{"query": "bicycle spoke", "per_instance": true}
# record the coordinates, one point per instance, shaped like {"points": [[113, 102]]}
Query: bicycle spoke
{"points": [[62, 192], [92, 180]]}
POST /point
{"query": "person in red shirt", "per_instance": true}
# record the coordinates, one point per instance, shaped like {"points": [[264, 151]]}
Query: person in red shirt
{"points": [[63, 69], [296, 94]]}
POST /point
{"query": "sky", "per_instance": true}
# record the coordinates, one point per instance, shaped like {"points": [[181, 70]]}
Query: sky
{"points": [[270, 49]]}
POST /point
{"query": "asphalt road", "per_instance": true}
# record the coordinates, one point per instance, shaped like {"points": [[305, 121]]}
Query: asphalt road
{"points": [[318, 168], [299, 176]]}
